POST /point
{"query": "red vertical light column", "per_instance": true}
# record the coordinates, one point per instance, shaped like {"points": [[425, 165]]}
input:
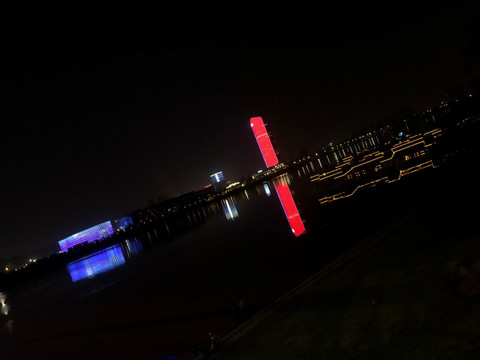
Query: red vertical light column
{"points": [[263, 141], [289, 207]]}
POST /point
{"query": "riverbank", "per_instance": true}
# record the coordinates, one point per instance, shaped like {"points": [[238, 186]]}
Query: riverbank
{"points": [[413, 292]]}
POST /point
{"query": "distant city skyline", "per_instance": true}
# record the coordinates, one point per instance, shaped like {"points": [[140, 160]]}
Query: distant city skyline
{"points": [[100, 119]]}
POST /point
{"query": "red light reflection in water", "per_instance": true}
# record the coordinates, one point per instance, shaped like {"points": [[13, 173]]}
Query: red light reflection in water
{"points": [[263, 141], [289, 207]]}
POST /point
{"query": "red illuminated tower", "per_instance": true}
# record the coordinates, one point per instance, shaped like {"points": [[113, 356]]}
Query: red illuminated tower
{"points": [[263, 141], [283, 191]]}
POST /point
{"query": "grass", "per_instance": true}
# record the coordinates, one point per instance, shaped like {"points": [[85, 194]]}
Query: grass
{"points": [[415, 294]]}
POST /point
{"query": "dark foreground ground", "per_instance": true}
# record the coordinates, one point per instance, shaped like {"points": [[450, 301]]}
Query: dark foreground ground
{"points": [[409, 291]]}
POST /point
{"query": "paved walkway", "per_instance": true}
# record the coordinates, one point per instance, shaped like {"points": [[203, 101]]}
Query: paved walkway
{"points": [[376, 238]]}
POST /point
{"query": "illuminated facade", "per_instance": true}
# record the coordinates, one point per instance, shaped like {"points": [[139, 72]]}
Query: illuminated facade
{"points": [[96, 232], [218, 181], [123, 223], [263, 141], [289, 207], [283, 191], [217, 177]]}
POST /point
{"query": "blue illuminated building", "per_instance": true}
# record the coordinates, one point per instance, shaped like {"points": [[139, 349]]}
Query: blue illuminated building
{"points": [[123, 223], [217, 177], [218, 181], [96, 232]]}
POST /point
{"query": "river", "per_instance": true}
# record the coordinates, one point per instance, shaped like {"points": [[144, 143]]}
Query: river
{"points": [[151, 296]]}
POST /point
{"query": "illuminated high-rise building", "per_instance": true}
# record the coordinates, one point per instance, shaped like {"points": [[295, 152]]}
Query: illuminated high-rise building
{"points": [[217, 177], [283, 191], [218, 181], [263, 141]]}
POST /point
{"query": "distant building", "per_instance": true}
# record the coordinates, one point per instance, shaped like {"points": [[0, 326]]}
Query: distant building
{"points": [[218, 181], [123, 223], [217, 177], [89, 235]]}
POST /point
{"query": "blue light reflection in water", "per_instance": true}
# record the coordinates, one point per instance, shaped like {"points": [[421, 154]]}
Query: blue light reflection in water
{"points": [[229, 209], [267, 189], [97, 263], [132, 247]]}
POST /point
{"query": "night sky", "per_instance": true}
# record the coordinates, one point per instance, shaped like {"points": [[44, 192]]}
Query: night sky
{"points": [[100, 119]]}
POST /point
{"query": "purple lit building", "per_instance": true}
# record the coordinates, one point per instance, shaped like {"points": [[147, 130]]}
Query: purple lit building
{"points": [[96, 232]]}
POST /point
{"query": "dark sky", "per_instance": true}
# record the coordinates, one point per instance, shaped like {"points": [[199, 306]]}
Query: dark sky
{"points": [[98, 118]]}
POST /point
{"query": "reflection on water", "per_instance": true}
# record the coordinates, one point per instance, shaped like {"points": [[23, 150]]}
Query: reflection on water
{"points": [[116, 256], [229, 209], [104, 260], [97, 263], [289, 207], [92, 277], [309, 168], [372, 168], [267, 189], [4, 308], [132, 247]]}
